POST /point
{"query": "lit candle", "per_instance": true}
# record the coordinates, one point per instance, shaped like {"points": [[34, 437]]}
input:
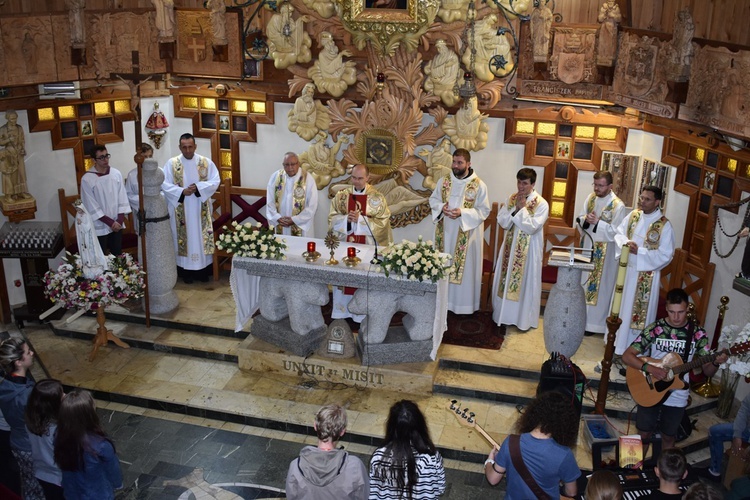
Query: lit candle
{"points": [[310, 247], [351, 252], [621, 272]]}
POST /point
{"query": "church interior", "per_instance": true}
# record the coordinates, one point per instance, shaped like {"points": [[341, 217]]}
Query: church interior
{"points": [[653, 91]]}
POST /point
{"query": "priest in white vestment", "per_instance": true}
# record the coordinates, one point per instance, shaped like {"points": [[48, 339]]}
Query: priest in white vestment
{"points": [[599, 217], [291, 199], [650, 238], [189, 182], [517, 285], [459, 206]]}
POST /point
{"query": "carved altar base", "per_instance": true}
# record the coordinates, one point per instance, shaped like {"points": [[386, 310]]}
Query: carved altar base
{"points": [[18, 210], [103, 335]]}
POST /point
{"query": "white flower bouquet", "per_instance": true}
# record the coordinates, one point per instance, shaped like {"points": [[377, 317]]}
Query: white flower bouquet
{"points": [[251, 240], [68, 287], [419, 261], [740, 363]]}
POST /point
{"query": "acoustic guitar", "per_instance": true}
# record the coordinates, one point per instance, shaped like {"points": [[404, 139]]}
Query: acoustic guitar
{"points": [[647, 391], [466, 418]]}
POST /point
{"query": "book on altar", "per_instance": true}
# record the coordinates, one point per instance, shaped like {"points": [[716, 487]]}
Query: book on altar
{"points": [[631, 452], [570, 255]]}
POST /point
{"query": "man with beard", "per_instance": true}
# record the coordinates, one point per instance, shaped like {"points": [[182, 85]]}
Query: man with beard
{"points": [[459, 206]]}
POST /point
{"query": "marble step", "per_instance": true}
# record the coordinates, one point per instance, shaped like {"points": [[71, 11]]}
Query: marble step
{"points": [[515, 390]]}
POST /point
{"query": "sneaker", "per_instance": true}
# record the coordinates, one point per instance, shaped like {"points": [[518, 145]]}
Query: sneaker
{"points": [[707, 473]]}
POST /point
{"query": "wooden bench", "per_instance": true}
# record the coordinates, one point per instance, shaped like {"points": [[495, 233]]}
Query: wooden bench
{"points": [[68, 219]]}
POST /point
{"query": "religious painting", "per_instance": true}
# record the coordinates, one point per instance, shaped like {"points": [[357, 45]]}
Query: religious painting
{"points": [[223, 123], [86, 128], [709, 180], [380, 150], [655, 174], [563, 150], [624, 169], [195, 41]]}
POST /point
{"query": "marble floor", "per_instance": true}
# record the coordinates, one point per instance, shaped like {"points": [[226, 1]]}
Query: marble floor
{"points": [[185, 416]]}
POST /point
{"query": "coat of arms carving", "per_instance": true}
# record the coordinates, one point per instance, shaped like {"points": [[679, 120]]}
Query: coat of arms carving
{"points": [[572, 58]]}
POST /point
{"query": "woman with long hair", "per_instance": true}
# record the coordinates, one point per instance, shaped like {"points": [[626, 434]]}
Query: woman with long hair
{"points": [[87, 457], [16, 385], [548, 429], [407, 466], [41, 423], [603, 485]]}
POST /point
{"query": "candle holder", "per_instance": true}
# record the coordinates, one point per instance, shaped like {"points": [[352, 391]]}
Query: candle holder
{"points": [[351, 259], [331, 243], [311, 255]]}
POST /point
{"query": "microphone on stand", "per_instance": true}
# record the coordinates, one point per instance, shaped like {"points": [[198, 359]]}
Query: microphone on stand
{"points": [[584, 226], [376, 258]]}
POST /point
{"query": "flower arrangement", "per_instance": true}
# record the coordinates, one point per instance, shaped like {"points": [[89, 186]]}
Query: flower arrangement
{"points": [[248, 240], [68, 287], [736, 366], [418, 261]]}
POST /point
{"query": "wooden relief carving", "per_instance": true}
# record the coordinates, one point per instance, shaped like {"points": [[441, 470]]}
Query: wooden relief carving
{"points": [[573, 52], [195, 42], [111, 39], [640, 79], [719, 93], [31, 40]]}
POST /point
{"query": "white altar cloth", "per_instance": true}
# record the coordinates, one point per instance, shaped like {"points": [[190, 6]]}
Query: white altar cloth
{"points": [[245, 286]]}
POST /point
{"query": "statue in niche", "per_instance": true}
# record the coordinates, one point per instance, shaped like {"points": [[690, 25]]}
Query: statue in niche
{"points": [[468, 129], [12, 159], [320, 160], [288, 43], [330, 72], [308, 116], [443, 72], [453, 10], [541, 24], [218, 21], [77, 26], [439, 162], [325, 8], [681, 49], [164, 19], [488, 44], [609, 17]]}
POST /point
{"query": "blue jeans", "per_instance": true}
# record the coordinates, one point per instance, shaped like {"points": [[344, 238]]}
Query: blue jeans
{"points": [[717, 435]]}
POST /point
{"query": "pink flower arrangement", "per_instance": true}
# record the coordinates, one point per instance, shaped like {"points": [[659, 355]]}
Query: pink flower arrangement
{"points": [[67, 286]]}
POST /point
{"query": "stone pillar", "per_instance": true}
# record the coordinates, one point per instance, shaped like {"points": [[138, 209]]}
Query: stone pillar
{"points": [[565, 312]]}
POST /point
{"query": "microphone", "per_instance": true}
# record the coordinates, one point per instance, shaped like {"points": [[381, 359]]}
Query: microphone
{"points": [[584, 225], [376, 258]]}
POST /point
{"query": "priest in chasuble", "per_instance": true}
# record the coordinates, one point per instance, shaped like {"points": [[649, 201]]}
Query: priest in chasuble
{"points": [[189, 182], [650, 239], [517, 286], [359, 214], [291, 199], [459, 206], [599, 217]]}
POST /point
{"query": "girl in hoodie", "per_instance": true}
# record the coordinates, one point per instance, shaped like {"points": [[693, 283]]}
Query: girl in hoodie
{"points": [[41, 422], [87, 457], [16, 359]]}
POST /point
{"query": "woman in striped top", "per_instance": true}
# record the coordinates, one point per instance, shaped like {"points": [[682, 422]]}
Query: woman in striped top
{"points": [[407, 466]]}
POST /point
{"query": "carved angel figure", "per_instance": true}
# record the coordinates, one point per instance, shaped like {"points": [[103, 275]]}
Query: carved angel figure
{"points": [[610, 17], [439, 162], [443, 72], [330, 72], [453, 10], [320, 160], [288, 43], [324, 8], [488, 44], [468, 129], [308, 116], [164, 18], [218, 22]]}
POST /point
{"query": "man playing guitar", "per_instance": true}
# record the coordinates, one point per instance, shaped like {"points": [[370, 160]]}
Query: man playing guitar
{"points": [[673, 334]]}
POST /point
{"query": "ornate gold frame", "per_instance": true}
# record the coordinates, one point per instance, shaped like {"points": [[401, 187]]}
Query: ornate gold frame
{"points": [[387, 28], [393, 154]]}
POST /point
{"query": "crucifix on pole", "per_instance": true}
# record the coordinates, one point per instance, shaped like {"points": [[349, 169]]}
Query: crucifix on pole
{"points": [[134, 80]]}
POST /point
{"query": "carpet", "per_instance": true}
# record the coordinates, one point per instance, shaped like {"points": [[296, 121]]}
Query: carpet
{"points": [[474, 330]]}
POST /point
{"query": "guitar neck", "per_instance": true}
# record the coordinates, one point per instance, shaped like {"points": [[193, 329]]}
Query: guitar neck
{"points": [[486, 436], [696, 362]]}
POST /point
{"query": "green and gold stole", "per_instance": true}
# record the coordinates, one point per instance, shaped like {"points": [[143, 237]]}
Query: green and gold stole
{"points": [[520, 256], [462, 239], [644, 281], [591, 287], [179, 212], [299, 194]]}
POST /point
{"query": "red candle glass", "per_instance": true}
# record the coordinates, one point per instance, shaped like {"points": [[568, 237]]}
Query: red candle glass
{"points": [[351, 252], [310, 247]]}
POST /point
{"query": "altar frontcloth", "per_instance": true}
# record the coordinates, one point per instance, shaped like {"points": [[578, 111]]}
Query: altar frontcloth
{"points": [[246, 273]]}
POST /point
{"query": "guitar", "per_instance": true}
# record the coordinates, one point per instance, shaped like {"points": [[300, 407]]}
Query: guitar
{"points": [[647, 391], [466, 418]]}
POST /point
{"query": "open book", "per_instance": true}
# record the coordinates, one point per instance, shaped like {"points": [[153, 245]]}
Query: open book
{"points": [[571, 255]]}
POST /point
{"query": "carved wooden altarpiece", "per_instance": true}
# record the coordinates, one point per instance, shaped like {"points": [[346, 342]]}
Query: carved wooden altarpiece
{"points": [[195, 41]]}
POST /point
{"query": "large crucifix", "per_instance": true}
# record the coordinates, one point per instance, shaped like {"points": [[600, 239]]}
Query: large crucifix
{"points": [[134, 80]]}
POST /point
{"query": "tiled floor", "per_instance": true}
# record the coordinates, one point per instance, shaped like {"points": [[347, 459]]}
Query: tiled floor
{"points": [[264, 418]]}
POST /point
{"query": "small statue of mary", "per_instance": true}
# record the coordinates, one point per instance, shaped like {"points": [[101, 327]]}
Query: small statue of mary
{"points": [[93, 261]]}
